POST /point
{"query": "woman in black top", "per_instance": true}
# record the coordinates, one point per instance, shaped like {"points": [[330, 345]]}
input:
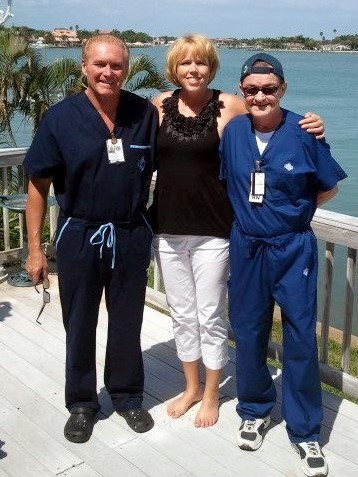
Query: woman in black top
{"points": [[192, 217]]}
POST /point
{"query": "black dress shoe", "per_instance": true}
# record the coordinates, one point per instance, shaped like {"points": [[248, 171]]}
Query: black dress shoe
{"points": [[80, 424], [138, 419]]}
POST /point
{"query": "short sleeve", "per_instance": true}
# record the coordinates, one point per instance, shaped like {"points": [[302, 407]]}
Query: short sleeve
{"points": [[43, 157], [328, 171]]}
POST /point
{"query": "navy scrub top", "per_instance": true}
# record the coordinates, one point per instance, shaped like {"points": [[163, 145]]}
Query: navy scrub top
{"points": [[70, 146], [297, 166]]}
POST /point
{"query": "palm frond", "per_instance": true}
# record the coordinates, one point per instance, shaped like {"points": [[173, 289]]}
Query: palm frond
{"points": [[143, 74]]}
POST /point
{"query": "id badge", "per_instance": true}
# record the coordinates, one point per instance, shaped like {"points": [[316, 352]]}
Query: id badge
{"points": [[258, 183], [115, 151], [257, 187]]}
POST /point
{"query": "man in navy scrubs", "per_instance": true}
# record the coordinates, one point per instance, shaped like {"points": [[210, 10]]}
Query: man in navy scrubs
{"points": [[276, 176], [97, 148]]}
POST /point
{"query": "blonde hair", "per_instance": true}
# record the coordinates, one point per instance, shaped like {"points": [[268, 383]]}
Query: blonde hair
{"points": [[94, 40], [198, 45]]}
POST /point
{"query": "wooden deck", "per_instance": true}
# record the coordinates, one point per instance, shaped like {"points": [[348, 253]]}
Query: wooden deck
{"points": [[32, 412]]}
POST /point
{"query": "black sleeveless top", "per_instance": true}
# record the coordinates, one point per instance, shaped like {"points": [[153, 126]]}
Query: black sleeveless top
{"points": [[189, 198]]}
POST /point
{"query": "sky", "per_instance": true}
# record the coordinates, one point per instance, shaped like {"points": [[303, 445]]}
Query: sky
{"points": [[214, 18]]}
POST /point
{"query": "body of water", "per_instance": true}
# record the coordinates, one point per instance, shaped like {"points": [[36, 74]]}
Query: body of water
{"points": [[324, 83]]}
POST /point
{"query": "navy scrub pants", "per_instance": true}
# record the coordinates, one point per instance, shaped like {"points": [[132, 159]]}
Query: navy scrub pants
{"points": [[84, 270], [262, 271]]}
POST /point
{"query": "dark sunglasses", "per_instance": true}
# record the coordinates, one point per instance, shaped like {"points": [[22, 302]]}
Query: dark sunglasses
{"points": [[266, 90], [45, 296]]}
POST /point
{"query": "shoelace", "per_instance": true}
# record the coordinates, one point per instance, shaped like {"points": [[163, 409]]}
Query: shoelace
{"points": [[313, 449], [249, 425]]}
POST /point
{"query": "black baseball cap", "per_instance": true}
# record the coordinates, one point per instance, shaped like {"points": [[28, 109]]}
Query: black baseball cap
{"points": [[275, 67]]}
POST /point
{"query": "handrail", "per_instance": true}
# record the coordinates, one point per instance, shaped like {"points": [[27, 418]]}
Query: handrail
{"points": [[338, 229], [13, 158]]}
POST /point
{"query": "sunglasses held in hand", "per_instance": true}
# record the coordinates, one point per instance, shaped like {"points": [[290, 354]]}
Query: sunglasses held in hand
{"points": [[45, 297]]}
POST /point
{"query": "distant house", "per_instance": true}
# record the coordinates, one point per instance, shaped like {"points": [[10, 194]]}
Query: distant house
{"points": [[294, 46], [38, 42], [334, 47], [65, 37], [222, 41], [158, 41]]}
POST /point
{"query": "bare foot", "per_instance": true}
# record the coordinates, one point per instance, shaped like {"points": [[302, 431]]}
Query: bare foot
{"points": [[208, 413], [179, 406]]}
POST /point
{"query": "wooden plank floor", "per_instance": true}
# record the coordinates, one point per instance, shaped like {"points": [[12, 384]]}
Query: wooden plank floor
{"points": [[32, 412]]}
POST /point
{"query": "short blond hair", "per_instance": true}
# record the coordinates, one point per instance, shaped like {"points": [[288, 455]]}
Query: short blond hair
{"points": [[102, 38], [200, 46]]}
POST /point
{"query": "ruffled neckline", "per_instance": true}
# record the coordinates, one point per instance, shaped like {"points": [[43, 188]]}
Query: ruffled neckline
{"points": [[187, 128]]}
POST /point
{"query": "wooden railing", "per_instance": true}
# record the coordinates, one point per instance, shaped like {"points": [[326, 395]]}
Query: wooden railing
{"points": [[338, 229], [330, 227], [12, 181]]}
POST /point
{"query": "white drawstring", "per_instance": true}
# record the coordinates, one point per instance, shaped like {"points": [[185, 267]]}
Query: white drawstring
{"points": [[111, 239]]}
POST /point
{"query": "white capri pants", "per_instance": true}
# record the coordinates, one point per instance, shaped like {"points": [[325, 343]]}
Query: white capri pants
{"points": [[195, 271]]}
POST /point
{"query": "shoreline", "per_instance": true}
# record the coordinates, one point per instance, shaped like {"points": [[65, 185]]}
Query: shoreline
{"points": [[290, 50]]}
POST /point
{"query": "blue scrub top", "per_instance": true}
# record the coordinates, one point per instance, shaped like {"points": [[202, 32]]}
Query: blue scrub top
{"points": [[70, 147], [297, 166]]}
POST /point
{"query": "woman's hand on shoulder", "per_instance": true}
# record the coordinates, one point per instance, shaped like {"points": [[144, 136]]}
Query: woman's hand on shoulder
{"points": [[158, 102], [233, 106], [313, 124]]}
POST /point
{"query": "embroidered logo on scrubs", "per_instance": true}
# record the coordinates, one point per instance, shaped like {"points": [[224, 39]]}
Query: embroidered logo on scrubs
{"points": [[288, 166], [306, 271], [141, 164]]}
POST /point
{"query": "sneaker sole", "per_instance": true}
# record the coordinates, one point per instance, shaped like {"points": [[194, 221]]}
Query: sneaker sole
{"points": [[308, 472], [246, 447], [78, 438]]}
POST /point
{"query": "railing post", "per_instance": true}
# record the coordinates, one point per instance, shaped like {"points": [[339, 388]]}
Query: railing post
{"points": [[5, 212], [53, 215], [348, 321], [3, 274], [328, 276]]}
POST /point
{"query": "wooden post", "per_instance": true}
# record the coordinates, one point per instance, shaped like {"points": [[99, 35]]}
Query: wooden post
{"points": [[329, 257], [347, 331]]}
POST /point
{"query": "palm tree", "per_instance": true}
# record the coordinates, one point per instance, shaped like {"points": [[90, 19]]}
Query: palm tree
{"points": [[15, 58], [144, 75], [28, 87], [46, 85]]}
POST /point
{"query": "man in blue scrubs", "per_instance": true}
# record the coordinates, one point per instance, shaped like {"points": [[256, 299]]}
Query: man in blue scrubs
{"points": [[276, 175], [97, 148]]}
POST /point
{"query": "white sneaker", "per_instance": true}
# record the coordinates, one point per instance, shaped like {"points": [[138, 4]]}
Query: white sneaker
{"points": [[313, 461], [250, 435]]}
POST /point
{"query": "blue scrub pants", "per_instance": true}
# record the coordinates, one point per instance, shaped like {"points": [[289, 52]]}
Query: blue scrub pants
{"points": [[262, 271], [84, 270]]}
